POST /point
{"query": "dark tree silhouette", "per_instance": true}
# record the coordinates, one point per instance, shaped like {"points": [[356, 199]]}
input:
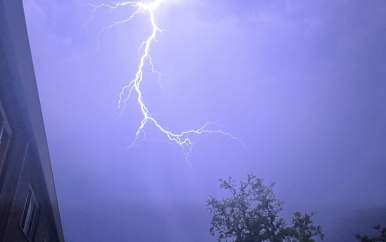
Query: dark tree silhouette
{"points": [[251, 214], [378, 238]]}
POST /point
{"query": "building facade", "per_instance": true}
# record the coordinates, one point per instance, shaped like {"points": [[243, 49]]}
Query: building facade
{"points": [[28, 203]]}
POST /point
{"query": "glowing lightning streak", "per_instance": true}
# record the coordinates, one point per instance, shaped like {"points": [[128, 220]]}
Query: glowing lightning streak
{"points": [[182, 139]]}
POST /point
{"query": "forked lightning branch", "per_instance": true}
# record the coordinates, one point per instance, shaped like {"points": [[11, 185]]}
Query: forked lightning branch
{"points": [[133, 87]]}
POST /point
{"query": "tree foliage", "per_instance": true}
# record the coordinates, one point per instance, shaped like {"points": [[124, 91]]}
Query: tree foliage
{"points": [[378, 238], [251, 214]]}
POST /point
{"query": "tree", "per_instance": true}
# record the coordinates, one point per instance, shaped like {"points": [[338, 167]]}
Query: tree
{"points": [[378, 238], [251, 214]]}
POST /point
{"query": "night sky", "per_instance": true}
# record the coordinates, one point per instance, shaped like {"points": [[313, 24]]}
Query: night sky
{"points": [[302, 83]]}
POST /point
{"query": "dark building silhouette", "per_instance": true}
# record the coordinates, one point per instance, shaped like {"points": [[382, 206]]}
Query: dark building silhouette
{"points": [[28, 204]]}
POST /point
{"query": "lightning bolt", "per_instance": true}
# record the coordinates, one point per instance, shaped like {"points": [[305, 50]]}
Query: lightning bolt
{"points": [[182, 139]]}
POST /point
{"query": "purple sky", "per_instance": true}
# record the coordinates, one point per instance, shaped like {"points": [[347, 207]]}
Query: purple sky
{"points": [[302, 83]]}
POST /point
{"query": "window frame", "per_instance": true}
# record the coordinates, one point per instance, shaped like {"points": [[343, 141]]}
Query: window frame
{"points": [[29, 219], [4, 127]]}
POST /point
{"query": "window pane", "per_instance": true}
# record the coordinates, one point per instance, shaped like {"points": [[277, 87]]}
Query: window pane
{"points": [[29, 215], [26, 214], [1, 120], [4, 138]]}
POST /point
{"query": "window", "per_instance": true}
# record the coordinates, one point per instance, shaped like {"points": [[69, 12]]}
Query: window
{"points": [[4, 138], [5, 133], [28, 222]]}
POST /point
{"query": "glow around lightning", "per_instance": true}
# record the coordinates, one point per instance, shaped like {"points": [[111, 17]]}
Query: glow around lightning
{"points": [[134, 86]]}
